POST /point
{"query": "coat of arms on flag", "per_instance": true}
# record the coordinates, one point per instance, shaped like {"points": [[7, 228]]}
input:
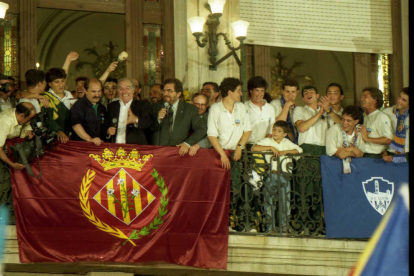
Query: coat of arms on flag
{"points": [[123, 196], [379, 192]]}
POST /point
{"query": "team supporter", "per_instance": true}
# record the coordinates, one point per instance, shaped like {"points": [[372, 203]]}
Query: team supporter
{"points": [[280, 146], [261, 114], [211, 90], [344, 140], [88, 115], [228, 122], [311, 123], [156, 93], [137, 89], [60, 100], [334, 95], [377, 130], [109, 92], [398, 150], [284, 107], [80, 87]]}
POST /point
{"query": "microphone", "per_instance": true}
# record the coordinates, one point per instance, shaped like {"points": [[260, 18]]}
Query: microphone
{"points": [[114, 123], [166, 105]]}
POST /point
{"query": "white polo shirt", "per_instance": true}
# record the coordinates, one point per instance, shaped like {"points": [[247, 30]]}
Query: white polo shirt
{"points": [[394, 122], [261, 120], [285, 144], [277, 105], [34, 102], [316, 134], [228, 127], [334, 140], [378, 125], [331, 122]]}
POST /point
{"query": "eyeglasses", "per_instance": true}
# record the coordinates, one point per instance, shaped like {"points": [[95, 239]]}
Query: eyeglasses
{"points": [[169, 91]]}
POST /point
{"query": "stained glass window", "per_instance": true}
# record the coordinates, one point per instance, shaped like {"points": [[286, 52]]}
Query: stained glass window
{"points": [[153, 54], [9, 45], [383, 77]]}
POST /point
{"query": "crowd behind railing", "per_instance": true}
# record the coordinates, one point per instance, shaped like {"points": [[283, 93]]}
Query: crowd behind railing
{"points": [[111, 110]]}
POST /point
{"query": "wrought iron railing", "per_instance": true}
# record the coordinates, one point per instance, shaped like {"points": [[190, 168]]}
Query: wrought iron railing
{"points": [[277, 195]]}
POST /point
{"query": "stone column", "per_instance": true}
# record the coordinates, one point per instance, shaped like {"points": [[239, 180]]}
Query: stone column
{"points": [[28, 37]]}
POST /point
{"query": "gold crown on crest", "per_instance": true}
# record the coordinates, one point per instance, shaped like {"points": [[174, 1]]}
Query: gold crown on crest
{"points": [[121, 158]]}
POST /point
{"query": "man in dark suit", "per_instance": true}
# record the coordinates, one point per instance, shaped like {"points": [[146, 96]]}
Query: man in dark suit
{"points": [[174, 120], [127, 119]]}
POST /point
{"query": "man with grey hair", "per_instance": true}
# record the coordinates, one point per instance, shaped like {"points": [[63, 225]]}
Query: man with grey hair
{"points": [[128, 118]]}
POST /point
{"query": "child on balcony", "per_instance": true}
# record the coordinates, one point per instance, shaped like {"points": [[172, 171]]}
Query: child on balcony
{"points": [[276, 182]]}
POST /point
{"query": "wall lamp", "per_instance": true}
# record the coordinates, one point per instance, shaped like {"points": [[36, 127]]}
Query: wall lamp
{"points": [[213, 20], [3, 9]]}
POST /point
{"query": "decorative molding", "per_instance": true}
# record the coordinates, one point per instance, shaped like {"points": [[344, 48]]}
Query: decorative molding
{"points": [[114, 6]]}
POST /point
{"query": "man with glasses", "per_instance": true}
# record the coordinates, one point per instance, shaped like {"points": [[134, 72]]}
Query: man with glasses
{"points": [[128, 118], [175, 120], [201, 102]]}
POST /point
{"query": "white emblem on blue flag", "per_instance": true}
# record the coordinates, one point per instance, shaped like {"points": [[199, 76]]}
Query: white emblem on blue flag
{"points": [[379, 193]]}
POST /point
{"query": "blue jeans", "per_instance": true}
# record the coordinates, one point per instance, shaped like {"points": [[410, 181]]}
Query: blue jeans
{"points": [[276, 186]]}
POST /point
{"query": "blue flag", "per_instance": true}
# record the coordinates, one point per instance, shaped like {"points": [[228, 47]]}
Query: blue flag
{"points": [[355, 203], [387, 251]]}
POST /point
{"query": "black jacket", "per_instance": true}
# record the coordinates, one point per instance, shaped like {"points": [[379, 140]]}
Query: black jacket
{"points": [[188, 126], [134, 135]]}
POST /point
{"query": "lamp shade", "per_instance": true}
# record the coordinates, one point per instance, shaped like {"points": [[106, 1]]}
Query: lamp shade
{"points": [[240, 28], [3, 9], [216, 5], [196, 24]]}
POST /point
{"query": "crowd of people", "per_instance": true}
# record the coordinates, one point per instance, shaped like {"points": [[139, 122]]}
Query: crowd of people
{"points": [[111, 110]]}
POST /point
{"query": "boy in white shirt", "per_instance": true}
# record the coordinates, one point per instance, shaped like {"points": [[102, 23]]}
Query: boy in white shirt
{"points": [[280, 146], [344, 140]]}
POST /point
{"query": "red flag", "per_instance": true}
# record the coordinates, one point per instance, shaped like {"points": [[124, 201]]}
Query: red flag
{"points": [[123, 203]]}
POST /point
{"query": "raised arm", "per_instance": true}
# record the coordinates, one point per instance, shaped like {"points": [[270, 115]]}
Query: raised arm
{"points": [[72, 56], [108, 70]]}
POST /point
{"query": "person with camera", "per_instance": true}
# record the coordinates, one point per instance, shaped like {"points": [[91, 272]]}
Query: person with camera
{"points": [[88, 115], [6, 101], [12, 125]]}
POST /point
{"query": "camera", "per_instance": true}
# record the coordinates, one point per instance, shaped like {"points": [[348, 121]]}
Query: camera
{"points": [[46, 135], [25, 152], [5, 88]]}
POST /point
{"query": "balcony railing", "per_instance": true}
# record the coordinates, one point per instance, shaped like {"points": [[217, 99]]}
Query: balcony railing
{"points": [[277, 195]]}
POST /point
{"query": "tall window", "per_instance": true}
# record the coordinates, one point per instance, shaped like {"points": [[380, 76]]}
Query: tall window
{"points": [[9, 45]]}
